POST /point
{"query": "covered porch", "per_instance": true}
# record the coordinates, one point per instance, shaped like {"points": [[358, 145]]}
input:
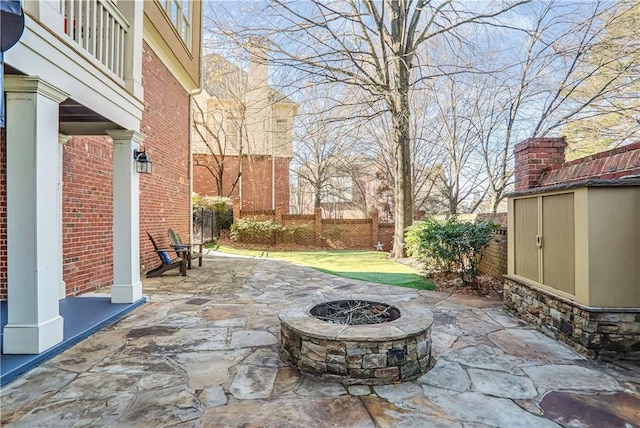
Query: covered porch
{"points": [[63, 80], [82, 316]]}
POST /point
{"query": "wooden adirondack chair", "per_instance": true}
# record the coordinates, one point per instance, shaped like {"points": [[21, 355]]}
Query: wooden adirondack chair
{"points": [[191, 253], [168, 263]]}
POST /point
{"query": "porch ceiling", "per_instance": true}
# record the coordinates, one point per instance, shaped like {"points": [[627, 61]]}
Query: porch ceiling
{"points": [[77, 119]]}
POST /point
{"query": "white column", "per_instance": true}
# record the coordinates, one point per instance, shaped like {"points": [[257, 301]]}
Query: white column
{"points": [[134, 14], [62, 140], [34, 254], [127, 287]]}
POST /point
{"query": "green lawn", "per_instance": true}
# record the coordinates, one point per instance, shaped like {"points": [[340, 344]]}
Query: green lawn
{"points": [[372, 266]]}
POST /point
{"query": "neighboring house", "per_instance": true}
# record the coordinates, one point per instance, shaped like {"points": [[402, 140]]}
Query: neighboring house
{"points": [[89, 83], [242, 133], [352, 190]]}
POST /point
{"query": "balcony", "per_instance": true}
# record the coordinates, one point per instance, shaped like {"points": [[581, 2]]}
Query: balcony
{"points": [[99, 28], [90, 50]]}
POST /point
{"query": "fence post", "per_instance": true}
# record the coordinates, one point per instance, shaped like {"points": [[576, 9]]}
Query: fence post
{"points": [[236, 209], [278, 220], [214, 218], [375, 231], [318, 226]]}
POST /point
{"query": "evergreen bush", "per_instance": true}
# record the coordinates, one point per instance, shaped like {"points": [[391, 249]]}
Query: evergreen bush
{"points": [[256, 231], [450, 245]]}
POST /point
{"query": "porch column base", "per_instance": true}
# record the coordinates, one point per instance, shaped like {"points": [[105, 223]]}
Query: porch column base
{"points": [[32, 339], [126, 293]]}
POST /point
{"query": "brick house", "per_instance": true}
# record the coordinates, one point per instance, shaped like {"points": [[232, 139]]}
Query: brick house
{"points": [[88, 84], [243, 135]]}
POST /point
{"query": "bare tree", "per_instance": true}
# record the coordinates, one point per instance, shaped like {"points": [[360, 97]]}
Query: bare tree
{"points": [[548, 73], [323, 155], [372, 46], [453, 128], [614, 119], [219, 116]]}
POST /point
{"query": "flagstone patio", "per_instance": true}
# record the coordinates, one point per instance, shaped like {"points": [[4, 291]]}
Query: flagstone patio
{"points": [[204, 352]]}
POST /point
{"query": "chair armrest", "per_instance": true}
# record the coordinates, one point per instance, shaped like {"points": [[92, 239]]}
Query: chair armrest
{"points": [[187, 244], [170, 250]]}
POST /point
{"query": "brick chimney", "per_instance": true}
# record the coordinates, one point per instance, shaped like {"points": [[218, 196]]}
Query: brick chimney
{"points": [[535, 156]]}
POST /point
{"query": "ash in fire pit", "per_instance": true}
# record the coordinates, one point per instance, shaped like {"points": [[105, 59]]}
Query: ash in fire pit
{"points": [[355, 312]]}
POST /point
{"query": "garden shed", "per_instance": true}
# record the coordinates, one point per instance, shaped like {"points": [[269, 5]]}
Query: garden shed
{"points": [[574, 247]]}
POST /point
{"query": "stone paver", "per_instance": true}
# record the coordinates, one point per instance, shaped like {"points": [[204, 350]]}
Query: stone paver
{"points": [[204, 352], [251, 382]]}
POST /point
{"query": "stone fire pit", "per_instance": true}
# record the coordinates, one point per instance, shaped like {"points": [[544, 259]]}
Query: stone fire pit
{"points": [[394, 349]]}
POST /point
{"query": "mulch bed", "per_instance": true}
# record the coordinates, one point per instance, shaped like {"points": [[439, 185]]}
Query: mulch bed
{"points": [[449, 282], [484, 285]]}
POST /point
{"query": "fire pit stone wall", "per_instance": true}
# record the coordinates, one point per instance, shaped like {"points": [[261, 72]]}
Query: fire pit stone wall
{"points": [[370, 354]]}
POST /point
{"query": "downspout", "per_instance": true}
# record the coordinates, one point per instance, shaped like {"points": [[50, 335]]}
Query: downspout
{"points": [[273, 158], [192, 94]]}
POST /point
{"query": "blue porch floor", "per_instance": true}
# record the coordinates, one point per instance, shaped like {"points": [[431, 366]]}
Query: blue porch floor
{"points": [[83, 316]]}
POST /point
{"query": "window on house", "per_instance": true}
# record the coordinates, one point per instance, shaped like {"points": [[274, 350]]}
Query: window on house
{"points": [[179, 12], [281, 133], [232, 132], [338, 189]]}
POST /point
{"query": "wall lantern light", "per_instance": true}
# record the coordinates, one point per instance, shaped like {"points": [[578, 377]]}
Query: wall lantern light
{"points": [[143, 161]]}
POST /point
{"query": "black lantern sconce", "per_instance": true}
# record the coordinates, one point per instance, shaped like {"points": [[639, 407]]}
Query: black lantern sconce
{"points": [[143, 161]]}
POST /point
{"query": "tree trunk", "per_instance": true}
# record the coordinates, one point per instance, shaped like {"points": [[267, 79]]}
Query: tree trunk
{"points": [[403, 187], [317, 199], [220, 183]]}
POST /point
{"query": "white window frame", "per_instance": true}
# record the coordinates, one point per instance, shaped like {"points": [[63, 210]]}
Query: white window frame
{"points": [[182, 20]]}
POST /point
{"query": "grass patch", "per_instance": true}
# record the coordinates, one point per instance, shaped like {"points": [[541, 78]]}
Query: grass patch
{"points": [[372, 266]]}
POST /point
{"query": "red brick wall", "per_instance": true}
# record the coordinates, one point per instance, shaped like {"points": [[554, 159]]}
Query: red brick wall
{"points": [[87, 214], [302, 227], [610, 164], [494, 256], [533, 157], [256, 180], [164, 195], [358, 234], [540, 162], [88, 188], [385, 235], [352, 234], [3, 215]]}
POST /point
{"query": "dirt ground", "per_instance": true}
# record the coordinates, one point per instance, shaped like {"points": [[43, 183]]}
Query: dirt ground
{"points": [[483, 285]]}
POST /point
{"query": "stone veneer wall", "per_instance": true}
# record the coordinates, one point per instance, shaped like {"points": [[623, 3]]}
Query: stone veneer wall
{"points": [[605, 333], [368, 354], [362, 362]]}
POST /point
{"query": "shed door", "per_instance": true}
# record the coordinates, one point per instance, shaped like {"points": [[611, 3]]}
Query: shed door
{"points": [[558, 243], [526, 232]]}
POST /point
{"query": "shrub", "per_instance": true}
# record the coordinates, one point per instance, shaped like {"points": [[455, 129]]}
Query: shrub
{"points": [[256, 231], [301, 234], [450, 244], [333, 236], [220, 204]]}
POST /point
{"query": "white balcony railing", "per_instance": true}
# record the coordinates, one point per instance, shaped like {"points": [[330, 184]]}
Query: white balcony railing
{"points": [[99, 28]]}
